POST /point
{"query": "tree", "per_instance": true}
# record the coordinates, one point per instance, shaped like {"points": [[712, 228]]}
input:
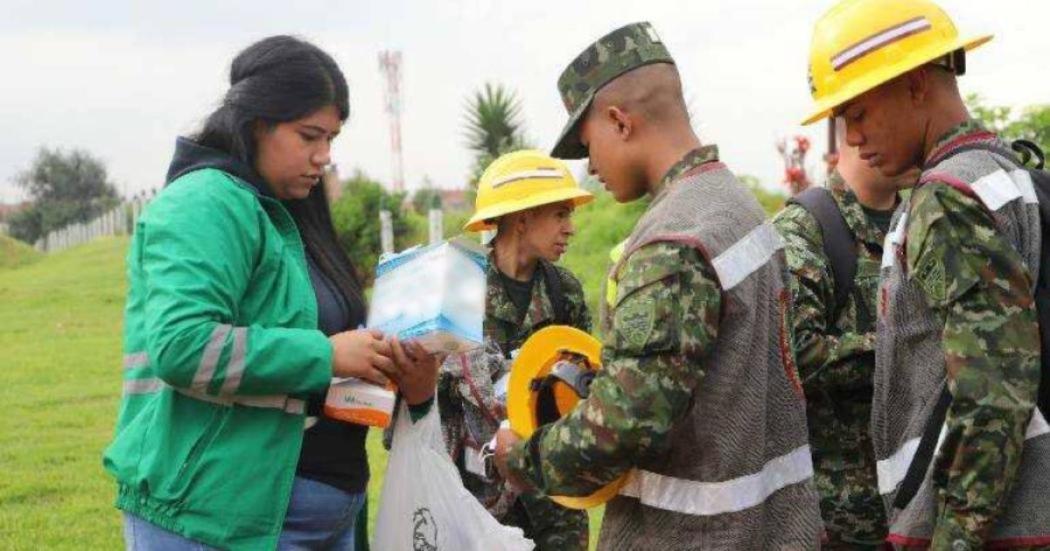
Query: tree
{"points": [[771, 201], [356, 219], [1030, 123], [493, 126], [64, 188], [426, 198]]}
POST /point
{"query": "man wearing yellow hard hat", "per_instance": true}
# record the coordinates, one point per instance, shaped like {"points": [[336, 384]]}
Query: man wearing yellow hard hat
{"points": [[961, 448], [528, 198], [698, 398]]}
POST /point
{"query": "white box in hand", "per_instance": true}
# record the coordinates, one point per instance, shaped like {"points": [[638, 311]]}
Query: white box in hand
{"points": [[434, 295]]}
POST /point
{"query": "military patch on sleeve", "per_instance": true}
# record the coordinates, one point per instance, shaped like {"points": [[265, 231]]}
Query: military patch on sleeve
{"points": [[933, 281], [635, 325]]}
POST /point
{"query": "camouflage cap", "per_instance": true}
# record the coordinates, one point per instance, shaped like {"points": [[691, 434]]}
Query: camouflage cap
{"points": [[614, 54]]}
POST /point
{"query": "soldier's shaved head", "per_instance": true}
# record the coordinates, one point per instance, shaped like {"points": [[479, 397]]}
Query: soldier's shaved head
{"points": [[653, 92]]}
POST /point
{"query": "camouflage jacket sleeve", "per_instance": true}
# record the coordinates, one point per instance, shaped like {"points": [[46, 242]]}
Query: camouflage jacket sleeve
{"points": [[979, 283], [820, 354], [666, 318]]}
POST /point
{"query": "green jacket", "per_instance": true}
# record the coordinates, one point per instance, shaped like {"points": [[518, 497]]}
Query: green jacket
{"points": [[221, 346]]}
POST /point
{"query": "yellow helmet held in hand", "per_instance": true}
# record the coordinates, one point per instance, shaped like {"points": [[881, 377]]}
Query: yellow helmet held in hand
{"points": [[859, 45], [551, 374], [522, 180]]}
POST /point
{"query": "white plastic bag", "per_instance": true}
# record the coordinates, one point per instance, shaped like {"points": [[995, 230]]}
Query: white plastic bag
{"points": [[424, 506]]}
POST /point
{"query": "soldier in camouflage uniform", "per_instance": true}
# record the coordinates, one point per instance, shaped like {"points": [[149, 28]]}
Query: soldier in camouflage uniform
{"points": [[958, 343], [468, 398], [835, 347], [672, 400]]}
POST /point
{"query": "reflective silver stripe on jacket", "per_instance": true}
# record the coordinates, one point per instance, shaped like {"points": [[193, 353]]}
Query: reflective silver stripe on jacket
{"points": [[747, 255], [235, 369], [210, 357], [136, 361], [892, 470], [691, 497], [275, 401]]}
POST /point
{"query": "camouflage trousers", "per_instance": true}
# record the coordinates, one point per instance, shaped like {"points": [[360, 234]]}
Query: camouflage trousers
{"points": [[551, 526], [844, 472]]}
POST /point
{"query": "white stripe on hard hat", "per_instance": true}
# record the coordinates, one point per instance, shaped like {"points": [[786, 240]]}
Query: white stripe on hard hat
{"points": [[880, 40], [542, 172]]}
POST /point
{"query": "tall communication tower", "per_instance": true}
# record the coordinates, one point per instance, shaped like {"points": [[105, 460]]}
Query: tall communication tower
{"points": [[390, 66]]}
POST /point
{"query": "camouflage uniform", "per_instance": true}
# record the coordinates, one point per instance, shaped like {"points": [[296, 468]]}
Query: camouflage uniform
{"points": [[665, 325], [644, 385], [471, 412], [978, 288], [836, 361]]}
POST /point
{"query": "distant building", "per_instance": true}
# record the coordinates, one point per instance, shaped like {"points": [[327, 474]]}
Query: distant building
{"points": [[7, 210], [453, 200]]}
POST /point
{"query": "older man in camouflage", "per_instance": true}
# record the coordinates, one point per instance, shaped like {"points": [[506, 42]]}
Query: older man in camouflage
{"points": [[698, 396], [834, 324]]}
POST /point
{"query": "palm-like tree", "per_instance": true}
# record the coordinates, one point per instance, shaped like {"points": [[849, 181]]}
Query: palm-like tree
{"points": [[493, 126]]}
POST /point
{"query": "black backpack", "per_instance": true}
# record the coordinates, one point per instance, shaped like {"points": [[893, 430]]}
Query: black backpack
{"points": [[1023, 152], [840, 245], [557, 293]]}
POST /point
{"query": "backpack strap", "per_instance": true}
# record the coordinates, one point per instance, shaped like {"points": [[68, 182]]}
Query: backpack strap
{"points": [[920, 462], [557, 293], [840, 245]]}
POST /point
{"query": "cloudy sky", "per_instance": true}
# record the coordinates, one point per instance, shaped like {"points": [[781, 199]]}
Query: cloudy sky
{"points": [[122, 79]]}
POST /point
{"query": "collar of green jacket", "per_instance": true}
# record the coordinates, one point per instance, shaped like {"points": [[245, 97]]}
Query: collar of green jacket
{"points": [[190, 156], [696, 157]]}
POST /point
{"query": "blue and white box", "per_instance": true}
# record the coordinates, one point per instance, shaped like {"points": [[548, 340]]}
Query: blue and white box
{"points": [[434, 295]]}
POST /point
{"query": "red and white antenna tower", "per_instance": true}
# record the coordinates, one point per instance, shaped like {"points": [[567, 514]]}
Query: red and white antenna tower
{"points": [[390, 66]]}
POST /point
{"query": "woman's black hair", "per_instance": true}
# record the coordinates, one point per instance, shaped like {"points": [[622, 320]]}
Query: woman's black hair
{"points": [[282, 79]]}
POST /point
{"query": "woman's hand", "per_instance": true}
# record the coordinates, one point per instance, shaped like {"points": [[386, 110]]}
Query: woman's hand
{"points": [[362, 354], [416, 371]]}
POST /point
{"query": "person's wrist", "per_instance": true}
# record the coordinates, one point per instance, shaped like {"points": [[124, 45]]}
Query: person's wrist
{"points": [[413, 398]]}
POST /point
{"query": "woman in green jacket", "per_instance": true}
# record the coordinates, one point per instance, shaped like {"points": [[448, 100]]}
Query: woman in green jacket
{"points": [[241, 307]]}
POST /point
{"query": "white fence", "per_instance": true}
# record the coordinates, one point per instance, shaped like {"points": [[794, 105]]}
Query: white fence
{"points": [[120, 220]]}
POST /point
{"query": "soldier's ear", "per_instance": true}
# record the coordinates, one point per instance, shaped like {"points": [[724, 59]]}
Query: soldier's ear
{"points": [[621, 120]]}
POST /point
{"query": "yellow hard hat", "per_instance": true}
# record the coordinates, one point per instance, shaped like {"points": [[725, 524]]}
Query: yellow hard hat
{"points": [[522, 180], [551, 374], [861, 44]]}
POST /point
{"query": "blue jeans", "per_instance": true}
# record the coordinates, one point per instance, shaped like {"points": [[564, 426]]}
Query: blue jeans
{"points": [[319, 517]]}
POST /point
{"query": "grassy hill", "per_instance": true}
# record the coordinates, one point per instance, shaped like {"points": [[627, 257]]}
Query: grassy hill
{"points": [[14, 253]]}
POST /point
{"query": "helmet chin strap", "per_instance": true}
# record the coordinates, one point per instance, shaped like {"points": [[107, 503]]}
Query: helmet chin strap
{"points": [[571, 370]]}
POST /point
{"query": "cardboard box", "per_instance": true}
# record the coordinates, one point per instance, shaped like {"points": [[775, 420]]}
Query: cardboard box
{"points": [[434, 295]]}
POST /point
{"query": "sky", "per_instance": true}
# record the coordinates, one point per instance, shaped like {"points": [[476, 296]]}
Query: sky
{"points": [[123, 79]]}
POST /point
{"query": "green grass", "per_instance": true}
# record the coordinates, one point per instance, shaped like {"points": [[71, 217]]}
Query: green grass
{"points": [[60, 327], [60, 333], [14, 253]]}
